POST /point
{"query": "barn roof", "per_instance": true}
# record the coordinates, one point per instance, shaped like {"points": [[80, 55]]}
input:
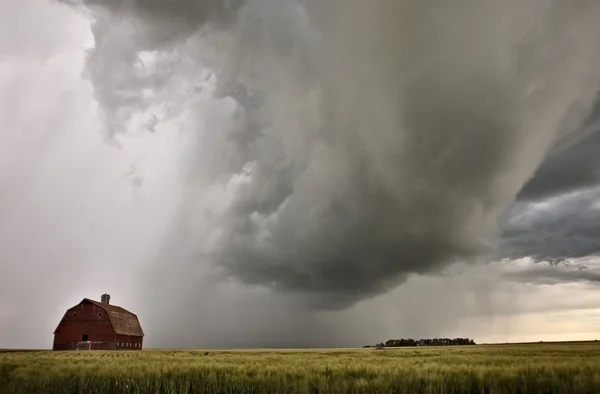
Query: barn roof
{"points": [[123, 321]]}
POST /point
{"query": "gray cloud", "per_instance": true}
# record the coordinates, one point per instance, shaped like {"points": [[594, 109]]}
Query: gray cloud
{"points": [[555, 221], [175, 13], [556, 230], [553, 275], [127, 30], [388, 138], [572, 165], [574, 168]]}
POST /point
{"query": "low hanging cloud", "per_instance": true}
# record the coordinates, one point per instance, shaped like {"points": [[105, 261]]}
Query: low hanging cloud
{"points": [[555, 220], [572, 169], [555, 231], [545, 275], [354, 143]]}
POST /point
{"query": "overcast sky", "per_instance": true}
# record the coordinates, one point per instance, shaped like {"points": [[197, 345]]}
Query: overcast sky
{"points": [[176, 159]]}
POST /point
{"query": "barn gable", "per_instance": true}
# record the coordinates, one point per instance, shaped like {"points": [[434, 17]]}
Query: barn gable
{"points": [[123, 321]]}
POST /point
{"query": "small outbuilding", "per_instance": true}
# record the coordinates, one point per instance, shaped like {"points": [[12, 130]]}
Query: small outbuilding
{"points": [[92, 325]]}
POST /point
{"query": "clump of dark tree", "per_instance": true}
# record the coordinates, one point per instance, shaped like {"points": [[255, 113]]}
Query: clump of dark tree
{"points": [[425, 342]]}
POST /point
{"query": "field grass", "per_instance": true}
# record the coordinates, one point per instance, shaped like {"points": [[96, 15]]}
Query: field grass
{"points": [[525, 368]]}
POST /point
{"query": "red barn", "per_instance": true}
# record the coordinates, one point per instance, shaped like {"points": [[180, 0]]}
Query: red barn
{"points": [[98, 325]]}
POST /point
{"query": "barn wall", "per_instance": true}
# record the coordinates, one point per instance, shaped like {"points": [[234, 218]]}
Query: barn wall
{"points": [[85, 318], [126, 342]]}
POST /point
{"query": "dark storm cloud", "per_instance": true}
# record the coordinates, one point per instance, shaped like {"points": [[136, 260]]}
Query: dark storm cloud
{"points": [[556, 231], [572, 166], [389, 138], [575, 168], [556, 219], [173, 16]]}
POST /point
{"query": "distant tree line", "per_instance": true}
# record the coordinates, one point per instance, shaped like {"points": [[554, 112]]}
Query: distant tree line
{"points": [[425, 342]]}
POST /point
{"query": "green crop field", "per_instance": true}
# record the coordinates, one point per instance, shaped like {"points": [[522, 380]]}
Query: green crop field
{"points": [[525, 368]]}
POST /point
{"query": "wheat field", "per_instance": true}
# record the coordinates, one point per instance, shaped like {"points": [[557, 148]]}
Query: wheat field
{"points": [[524, 368]]}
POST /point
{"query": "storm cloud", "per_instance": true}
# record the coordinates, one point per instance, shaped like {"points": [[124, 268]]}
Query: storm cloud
{"points": [[571, 169], [555, 220], [334, 156], [556, 230]]}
